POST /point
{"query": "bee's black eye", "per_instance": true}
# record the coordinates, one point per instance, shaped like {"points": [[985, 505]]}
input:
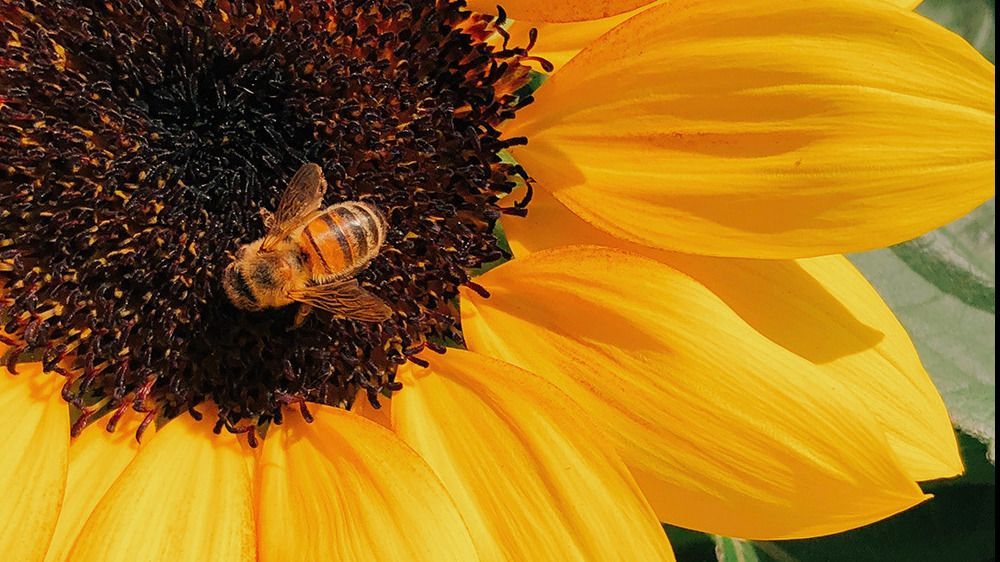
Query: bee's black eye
{"points": [[236, 279]]}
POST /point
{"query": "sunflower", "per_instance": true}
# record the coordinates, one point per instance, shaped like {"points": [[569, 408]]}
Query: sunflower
{"points": [[675, 339]]}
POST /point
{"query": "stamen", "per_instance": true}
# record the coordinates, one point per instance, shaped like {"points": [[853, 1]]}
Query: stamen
{"points": [[13, 354], [478, 289], [116, 417], [150, 416], [373, 400], [416, 349], [418, 361], [436, 348], [532, 38], [304, 410], [544, 63], [81, 422]]}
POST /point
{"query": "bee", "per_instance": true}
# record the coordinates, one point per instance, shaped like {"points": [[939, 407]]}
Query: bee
{"points": [[310, 255]]}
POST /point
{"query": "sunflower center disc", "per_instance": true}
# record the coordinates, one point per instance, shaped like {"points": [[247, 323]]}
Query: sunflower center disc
{"points": [[139, 140]]}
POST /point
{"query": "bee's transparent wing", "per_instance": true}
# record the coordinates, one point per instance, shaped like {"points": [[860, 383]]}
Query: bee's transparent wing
{"points": [[300, 200], [344, 298]]}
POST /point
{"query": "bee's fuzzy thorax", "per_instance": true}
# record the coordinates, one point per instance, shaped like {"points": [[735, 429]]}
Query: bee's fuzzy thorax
{"points": [[139, 141]]}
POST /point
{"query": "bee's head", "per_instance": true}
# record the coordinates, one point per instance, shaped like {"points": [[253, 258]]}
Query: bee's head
{"points": [[237, 285], [255, 279]]}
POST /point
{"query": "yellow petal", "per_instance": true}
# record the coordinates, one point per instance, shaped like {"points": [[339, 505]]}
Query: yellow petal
{"points": [[724, 430], [556, 10], [363, 407], [35, 446], [96, 459], [822, 309], [345, 488], [187, 496], [560, 42], [531, 480], [767, 129]]}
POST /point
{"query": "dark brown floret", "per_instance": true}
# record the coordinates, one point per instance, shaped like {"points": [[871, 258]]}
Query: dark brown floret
{"points": [[138, 141]]}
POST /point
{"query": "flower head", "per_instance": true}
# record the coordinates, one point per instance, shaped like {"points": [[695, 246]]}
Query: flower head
{"points": [[675, 339], [143, 145]]}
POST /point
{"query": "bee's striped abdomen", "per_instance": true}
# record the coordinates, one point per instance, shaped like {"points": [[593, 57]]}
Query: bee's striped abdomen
{"points": [[343, 239]]}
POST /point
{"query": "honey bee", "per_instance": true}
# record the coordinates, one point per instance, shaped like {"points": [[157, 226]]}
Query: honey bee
{"points": [[310, 255]]}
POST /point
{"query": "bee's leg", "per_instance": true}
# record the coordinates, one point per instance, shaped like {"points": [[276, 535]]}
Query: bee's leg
{"points": [[300, 317], [267, 217]]}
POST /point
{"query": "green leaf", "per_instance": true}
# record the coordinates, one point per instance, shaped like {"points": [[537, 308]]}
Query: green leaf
{"points": [[734, 550], [972, 19], [942, 287], [978, 468], [956, 524], [690, 546]]}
